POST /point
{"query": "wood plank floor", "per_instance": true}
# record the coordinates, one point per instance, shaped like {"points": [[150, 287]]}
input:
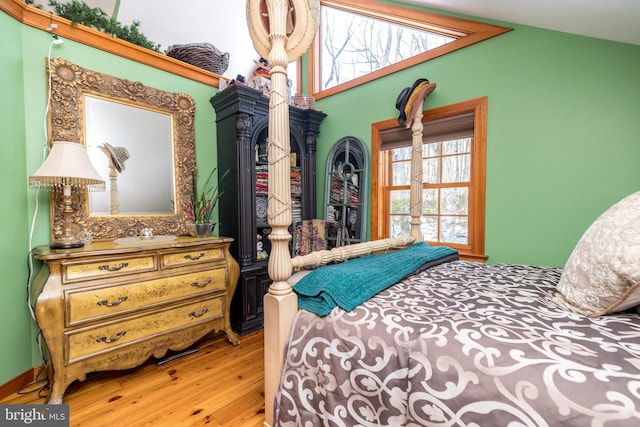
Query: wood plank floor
{"points": [[220, 385]]}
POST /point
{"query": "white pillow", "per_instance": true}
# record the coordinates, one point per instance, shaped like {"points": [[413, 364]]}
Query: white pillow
{"points": [[602, 275]]}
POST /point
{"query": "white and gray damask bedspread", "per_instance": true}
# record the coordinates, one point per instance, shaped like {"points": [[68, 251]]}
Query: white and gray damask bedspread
{"points": [[463, 344]]}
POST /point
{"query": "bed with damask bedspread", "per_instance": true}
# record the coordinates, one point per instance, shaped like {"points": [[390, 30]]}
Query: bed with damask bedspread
{"points": [[457, 343], [463, 343]]}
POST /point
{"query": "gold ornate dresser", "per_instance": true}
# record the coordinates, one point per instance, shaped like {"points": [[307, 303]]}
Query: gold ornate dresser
{"points": [[108, 306]]}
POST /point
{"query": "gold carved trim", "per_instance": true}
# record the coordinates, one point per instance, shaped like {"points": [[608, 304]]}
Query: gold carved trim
{"points": [[69, 84]]}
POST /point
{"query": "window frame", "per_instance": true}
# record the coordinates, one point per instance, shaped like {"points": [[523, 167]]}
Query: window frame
{"points": [[380, 161], [467, 33]]}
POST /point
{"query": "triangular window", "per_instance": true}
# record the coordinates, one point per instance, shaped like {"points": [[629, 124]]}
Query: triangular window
{"points": [[360, 41]]}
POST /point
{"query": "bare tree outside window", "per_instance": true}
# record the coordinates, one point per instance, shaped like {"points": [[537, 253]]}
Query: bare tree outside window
{"points": [[354, 45], [445, 196], [454, 146]]}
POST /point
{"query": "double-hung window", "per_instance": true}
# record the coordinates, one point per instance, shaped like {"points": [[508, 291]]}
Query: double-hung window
{"points": [[453, 189]]}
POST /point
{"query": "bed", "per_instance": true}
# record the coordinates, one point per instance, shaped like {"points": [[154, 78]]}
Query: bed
{"points": [[452, 342], [462, 343]]}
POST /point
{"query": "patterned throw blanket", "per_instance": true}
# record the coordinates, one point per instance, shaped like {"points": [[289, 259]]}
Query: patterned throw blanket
{"points": [[349, 284]]}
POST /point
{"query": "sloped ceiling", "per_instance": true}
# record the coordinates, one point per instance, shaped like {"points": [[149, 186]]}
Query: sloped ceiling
{"points": [[223, 22], [616, 20]]}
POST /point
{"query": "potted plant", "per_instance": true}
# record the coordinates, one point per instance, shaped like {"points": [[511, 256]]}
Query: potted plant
{"points": [[202, 203]]}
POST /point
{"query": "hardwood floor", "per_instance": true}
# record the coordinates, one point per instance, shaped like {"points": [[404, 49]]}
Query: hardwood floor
{"points": [[220, 385]]}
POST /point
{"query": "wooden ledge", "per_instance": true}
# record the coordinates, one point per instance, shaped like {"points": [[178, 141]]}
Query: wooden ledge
{"points": [[42, 20]]}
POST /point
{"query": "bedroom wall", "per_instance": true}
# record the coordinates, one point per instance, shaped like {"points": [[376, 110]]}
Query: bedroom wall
{"points": [[22, 105], [562, 134], [562, 141], [15, 323]]}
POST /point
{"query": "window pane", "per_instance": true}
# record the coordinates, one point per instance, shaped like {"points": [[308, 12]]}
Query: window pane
{"points": [[403, 153], [454, 201], [431, 149], [456, 146], [454, 229], [429, 228], [354, 45], [430, 201], [456, 168], [431, 171], [400, 225], [401, 173], [399, 201]]}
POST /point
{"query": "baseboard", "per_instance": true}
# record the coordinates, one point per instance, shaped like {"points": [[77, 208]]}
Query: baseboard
{"points": [[12, 386]]}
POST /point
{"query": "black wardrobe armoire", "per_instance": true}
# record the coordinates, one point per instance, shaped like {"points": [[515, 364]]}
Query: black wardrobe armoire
{"points": [[242, 133]]}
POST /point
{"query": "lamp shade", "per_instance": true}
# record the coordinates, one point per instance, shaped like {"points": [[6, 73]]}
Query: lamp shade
{"points": [[67, 164]]}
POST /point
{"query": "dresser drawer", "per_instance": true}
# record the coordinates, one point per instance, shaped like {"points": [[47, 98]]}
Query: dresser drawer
{"points": [[90, 304], [75, 271], [86, 343], [180, 259]]}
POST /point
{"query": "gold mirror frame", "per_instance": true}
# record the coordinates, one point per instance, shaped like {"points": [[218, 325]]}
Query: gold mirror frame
{"points": [[69, 84]]}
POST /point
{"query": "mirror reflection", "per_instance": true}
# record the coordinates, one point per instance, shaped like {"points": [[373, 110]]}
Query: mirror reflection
{"points": [[142, 142], [131, 148]]}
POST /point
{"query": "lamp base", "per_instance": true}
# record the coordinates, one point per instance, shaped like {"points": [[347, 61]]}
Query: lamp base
{"points": [[66, 245]]}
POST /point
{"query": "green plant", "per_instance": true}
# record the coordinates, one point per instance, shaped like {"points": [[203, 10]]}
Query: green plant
{"points": [[78, 12], [202, 202], [32, 3]]}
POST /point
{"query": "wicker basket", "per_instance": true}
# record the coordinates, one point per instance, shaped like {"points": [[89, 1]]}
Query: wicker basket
{"points": [[203, 55]]}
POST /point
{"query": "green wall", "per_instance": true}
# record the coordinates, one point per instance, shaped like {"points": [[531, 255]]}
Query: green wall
{"points": [[22, 105], [562, 131], [15, 323], [562, 141]]}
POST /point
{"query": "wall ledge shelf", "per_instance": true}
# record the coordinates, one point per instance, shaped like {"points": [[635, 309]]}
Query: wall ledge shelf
{"points": [[42, 20]]}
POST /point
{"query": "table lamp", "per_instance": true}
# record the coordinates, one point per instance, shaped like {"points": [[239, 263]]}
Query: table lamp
{"points": [[67, 166]]}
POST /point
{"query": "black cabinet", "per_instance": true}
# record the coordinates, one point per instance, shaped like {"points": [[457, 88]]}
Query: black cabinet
{"points": [[242, 135]]}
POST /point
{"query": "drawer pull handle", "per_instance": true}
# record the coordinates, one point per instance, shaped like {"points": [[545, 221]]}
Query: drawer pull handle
{"points": [[113, 303], [201, 285], [198, 314], [114, 339], [116, 268], [194, 257]]}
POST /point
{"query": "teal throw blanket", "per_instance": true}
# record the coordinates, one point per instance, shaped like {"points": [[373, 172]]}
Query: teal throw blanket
{"points": [[353, 282]]}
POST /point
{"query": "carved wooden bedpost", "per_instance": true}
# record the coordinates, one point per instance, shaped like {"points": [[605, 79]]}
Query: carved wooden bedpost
{"points": [[280, 301], [280, 45], [416, 104], [114, 198], [415, 195]]}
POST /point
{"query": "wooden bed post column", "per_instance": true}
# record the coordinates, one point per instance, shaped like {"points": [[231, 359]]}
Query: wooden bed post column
{"points": [[280, 40], [114, 198], [422, 88], [280, 303], [279, 151], [415, 195]]}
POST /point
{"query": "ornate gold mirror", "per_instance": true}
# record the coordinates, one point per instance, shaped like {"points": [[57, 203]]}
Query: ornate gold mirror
{"points": [[140, 139]]}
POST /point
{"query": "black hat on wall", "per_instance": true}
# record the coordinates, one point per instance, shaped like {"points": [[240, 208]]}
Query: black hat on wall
{"points": [[410, 98]]}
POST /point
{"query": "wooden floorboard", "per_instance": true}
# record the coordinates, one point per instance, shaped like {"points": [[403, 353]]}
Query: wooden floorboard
{"points": [[220, 385]]}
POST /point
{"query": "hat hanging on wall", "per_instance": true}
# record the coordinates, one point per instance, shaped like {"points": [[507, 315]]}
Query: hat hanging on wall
{"points": [[411, 98], [116, 155]]}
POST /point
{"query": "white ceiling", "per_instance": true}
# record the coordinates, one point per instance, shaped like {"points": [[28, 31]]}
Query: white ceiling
{"points": [[223, 22], [617, 20]]}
